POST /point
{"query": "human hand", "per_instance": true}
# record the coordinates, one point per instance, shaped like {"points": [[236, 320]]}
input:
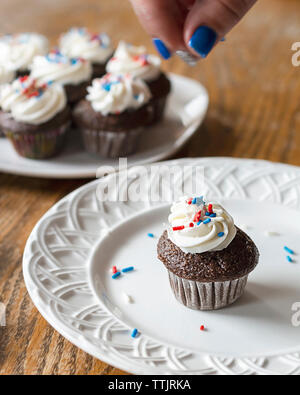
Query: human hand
{"points": [[195, 26]]}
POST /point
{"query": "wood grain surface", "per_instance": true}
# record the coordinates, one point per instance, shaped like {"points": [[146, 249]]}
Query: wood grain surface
{"points": [[254, 113]]}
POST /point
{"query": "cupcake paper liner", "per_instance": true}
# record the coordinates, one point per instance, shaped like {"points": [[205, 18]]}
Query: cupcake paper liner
{"points": [[111, 144], [207, 296], [39, 145]]}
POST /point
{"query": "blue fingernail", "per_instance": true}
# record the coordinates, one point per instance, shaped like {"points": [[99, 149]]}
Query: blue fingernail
{"points": [[203, 40], [161, 48]]}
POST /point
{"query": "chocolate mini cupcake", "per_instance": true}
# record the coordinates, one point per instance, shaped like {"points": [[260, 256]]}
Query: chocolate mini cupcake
{"points": [[17, 51], [74, 74], [34, 117], [113, 115], [135, 60], [94, 47], [208, 259]]}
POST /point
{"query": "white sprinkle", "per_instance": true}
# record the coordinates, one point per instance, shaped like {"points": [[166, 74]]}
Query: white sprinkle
{"points": [[128, 299], [270, 233]]}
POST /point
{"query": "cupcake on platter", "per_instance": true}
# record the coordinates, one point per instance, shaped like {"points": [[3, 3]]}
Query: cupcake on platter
{"points": [[113, 115], [136, 61], [94, 47], [34, 117], [74, 74], [207, 257], [17, 51], [6, 76]]}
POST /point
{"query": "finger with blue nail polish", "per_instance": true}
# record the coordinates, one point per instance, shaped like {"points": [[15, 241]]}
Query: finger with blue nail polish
{"points": [[203, 40], [161, 48]]}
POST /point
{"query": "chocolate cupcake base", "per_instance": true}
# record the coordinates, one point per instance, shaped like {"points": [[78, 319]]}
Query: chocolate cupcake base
{"points": [[111, 144], [39, 145], [207, 296]]}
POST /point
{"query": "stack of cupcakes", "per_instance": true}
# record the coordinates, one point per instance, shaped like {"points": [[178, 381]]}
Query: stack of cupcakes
{"points": [[111, 110]]}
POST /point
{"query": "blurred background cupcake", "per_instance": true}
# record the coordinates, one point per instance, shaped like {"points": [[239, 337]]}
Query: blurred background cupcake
{"points": [[17, 51], [74, 74], [6, 76], [136, 61], [114, 115], [94, 47], [34, 117]]}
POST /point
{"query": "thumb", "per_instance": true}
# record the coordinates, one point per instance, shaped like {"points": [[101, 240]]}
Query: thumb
{"points": [[208, 21]]}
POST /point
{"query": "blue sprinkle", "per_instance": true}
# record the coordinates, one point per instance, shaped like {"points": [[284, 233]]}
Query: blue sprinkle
{"points": [[134, 333], [106, 87], [151, 235], [289, 250], [136, 97], [199, 223], [213, 215], [194, 201], [221, 234], [207, 221], [207, 214], [74, 61], [289, 259], [128, 269], [116, 275]]}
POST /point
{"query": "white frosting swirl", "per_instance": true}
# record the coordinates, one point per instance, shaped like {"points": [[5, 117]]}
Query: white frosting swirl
{"points": [[201, 233], [114, 94], [31, 103], [58, 68], [134, 60], [6, 75], [17, 51], [79, 42]]}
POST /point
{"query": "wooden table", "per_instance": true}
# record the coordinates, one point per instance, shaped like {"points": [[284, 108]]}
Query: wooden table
{"points": [[254, 113]]}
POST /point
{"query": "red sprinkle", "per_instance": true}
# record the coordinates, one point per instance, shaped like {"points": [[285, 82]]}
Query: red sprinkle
{"points": [[202, 328], [191, 225], [114, 269], [178, 228], [197, 216], [210, 208], [189, 201], [23, 79]]}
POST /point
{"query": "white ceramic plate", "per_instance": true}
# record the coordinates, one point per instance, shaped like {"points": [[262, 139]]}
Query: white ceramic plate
{"points": [[70, 253], [187, 107]]}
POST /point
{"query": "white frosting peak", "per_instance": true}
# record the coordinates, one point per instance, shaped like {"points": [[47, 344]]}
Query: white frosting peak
{"points": [[58, 68], [17, 51], [136, 61], [30, 102], [114, 94], [197, 227], [79, 42], [6, 75]]}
